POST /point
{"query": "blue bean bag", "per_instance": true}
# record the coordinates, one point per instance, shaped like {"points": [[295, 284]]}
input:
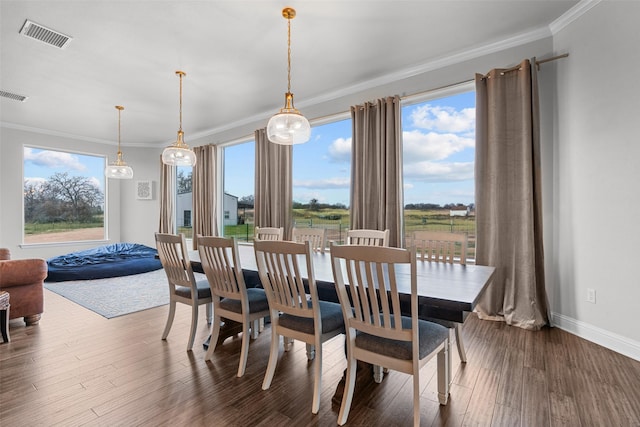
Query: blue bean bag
{"points": [[118, 259]]}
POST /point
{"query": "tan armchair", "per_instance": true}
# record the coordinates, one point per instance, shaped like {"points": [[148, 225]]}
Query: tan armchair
{"points": [[24, 280]]}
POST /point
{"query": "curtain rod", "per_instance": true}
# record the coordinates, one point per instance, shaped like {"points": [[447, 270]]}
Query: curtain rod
{"points": [[538, 63]]}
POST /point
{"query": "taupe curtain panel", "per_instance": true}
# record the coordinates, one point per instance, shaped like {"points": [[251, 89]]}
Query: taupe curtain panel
{"points": [[273, 184], [205, 192], [376, 168], [508, 196], [167, 197]]}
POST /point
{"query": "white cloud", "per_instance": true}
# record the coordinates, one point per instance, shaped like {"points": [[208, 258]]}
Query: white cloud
{"points": [[419, 146], [427, 171], [36, 182], [54, 159], [328, 183], [444, 119], [340, 150]]}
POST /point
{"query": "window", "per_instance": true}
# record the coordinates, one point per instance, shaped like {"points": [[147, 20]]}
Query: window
{"points": [[64, 196], [321, 179], [184, 200], [438, 155], [239, 173]]}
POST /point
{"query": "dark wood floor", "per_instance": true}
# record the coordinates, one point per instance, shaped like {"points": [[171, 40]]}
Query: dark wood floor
{"points": [[77, 368]]}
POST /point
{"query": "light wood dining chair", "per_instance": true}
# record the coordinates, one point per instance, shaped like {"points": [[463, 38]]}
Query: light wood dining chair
{"points": [[376, 331], [368, 237], [183, 286], [269, 233], [296, 312], [231, 297], [442, 246], [317, 237]]}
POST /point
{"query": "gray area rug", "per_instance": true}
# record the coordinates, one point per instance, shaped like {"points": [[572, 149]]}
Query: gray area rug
{"points": [[116, 296]]}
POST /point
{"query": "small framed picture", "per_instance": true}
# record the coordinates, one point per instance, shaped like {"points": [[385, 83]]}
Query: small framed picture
{"points": [[144, 190]]}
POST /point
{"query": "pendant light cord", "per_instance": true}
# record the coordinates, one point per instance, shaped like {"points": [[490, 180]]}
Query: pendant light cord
{"points": [[289, 55]]}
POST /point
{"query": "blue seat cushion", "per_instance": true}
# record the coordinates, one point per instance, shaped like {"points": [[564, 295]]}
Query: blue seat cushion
{"points": [[204, 291], [257, 302], [330, 313], [430, 336]]}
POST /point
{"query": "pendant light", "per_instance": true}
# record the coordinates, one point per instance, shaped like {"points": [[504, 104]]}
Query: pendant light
{"points": [[179, 153], [289, 126], [119, 168]]}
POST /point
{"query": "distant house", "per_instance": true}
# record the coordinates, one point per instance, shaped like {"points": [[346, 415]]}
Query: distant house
{"points": [[184, 206], [460, 211]]}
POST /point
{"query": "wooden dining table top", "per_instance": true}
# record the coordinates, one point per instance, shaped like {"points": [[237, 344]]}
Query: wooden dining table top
{"points": [[448, 291]]}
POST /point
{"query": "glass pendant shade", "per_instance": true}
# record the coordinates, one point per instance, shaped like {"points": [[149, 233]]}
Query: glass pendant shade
{"points": [[288, 127], [179, 153], [119, 169]]}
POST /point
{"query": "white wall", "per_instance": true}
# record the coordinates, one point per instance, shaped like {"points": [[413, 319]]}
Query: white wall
{"points": [[596, 149]]}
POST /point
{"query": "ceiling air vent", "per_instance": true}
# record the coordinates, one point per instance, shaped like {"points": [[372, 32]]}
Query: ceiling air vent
{"points": [[44, 34], [13, 96]]}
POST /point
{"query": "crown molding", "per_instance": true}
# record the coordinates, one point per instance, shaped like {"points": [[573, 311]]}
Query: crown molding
{"points": [[572, 14]]}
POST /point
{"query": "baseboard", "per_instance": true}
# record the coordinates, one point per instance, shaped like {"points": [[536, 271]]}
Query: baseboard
{"points": [[610, 340]]}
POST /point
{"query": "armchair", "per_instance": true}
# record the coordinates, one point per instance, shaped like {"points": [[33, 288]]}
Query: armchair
{"points": [[24, 280]]}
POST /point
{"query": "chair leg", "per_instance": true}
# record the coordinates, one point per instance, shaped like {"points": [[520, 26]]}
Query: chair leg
{"points": [[311, 351], [172, 314], [378, 373], [209, 313], [215, 332], [460, 344], [255, 328], [317, 380], [273, 358], [194, 326], [245, 348], [444, 372], [347, 396], [416, 399]]}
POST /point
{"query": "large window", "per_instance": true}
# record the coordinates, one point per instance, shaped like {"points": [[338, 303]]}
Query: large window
{"points": [[184, 200], [239, 184], [439, 152], [64, 196], [321, 179]]}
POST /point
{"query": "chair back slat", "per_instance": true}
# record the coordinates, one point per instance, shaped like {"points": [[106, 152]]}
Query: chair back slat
{"points": [[269, 233], [172, 250], [317, 237], [367, 282], [366, 237], [282, 266], [221, 264], [440, 246]]}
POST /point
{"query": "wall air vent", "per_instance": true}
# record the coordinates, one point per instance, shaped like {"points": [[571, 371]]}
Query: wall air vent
{"points": [[45, 35], [14, 96]]}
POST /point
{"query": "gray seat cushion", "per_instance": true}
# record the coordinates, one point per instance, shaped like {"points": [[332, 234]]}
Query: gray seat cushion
{"points": [[257, 302], [330, 313], [430, 336], [204, 291]]}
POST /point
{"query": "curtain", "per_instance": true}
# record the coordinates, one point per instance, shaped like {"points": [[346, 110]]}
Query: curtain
{"points": [[376, 168], [508, 196], [273, 196], [167, 198], [205, 192]]}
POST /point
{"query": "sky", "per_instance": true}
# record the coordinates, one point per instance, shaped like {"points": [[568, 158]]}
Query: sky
{"points": [[438, 154], [41, 164]]}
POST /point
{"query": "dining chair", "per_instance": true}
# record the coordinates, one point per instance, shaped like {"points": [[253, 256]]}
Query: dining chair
{"points": [[183, 286], [367, 282], [296, 312], [317, 237], [442, 246], [269, 233], [231, 298], [368, 237]]}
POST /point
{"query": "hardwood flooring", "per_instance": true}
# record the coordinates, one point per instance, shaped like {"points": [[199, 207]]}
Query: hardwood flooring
{"points": [[78, 368]]}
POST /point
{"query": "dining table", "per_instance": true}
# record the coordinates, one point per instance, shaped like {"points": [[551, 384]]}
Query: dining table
{"points": [[445, 291]]}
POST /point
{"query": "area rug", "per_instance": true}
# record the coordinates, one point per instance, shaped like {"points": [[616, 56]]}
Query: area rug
{"points": [[116, 296]]}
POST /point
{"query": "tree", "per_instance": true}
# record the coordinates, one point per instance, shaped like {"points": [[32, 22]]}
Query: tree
{"points": [[246, 201], [313, 205], [184, 182]]}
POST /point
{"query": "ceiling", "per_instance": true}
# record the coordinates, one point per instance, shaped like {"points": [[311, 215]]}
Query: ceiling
{"points": [[234, 55]]}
